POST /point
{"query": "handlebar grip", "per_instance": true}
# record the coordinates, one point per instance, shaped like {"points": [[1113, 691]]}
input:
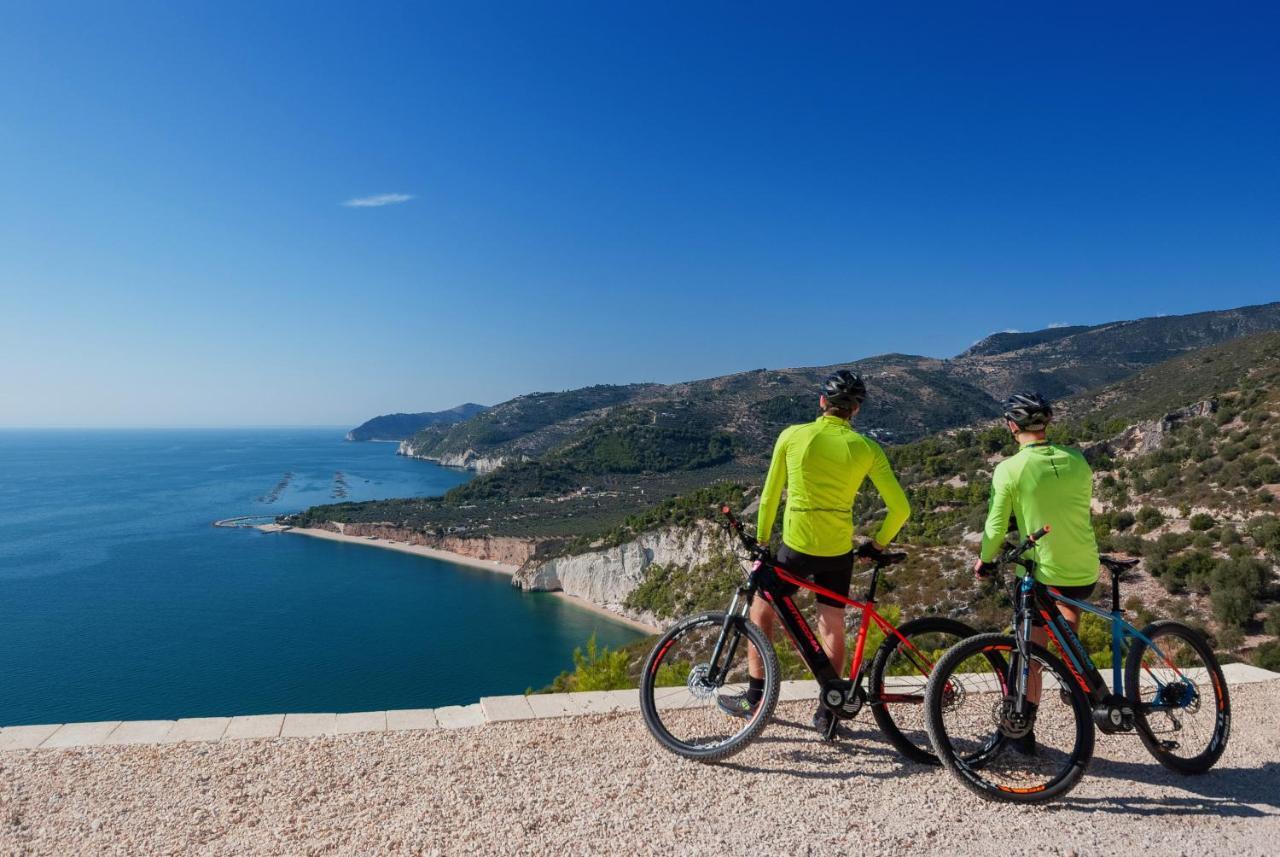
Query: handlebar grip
{"points": [[1040, 533]]}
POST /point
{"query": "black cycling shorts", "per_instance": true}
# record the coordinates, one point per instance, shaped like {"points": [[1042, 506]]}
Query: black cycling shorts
{"points": [[830, 572], [1079, 593]]}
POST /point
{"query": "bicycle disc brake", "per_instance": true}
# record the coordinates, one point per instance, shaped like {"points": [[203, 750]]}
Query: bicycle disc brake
{"points": [[698, 684], [1011, 724]]}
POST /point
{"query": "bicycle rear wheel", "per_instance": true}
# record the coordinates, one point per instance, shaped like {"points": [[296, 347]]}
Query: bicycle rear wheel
{"points": [[899, 675], [681, 689], [1182, 711], [967, 713]]}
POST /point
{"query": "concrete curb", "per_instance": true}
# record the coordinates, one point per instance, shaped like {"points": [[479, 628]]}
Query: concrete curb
{"points": [[490, 709]]}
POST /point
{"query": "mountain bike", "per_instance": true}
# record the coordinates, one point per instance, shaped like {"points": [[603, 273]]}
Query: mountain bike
{"points": [[703, 658], [1168, 689]]}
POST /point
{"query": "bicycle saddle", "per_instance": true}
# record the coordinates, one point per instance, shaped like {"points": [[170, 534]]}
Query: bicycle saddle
{"points": [[1116, 565]]}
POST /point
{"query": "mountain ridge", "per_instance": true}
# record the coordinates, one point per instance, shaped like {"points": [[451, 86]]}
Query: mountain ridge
{"points": [[397, 427], [911, 396]]}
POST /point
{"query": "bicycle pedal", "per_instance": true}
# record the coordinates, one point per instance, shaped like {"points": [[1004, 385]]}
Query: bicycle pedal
{"points": [[1169, 745]]}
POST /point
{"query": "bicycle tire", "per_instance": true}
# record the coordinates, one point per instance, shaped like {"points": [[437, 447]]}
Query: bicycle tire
{"points": [[887, 715], [1217, 741], [656, 716], [972, 776]]}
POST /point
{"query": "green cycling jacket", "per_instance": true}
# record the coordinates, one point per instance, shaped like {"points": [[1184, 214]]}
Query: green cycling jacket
{"points": [[822, 465], [1046, 484]]}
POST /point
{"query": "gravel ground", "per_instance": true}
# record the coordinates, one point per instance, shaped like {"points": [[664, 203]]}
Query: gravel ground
{"points": [[602, 786]]}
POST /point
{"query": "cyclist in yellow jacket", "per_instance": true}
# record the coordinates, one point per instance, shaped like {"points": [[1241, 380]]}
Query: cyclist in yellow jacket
{"points": [[1043, 484], [822, 465]]}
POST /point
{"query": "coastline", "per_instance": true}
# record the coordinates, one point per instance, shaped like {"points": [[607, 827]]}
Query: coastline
{"points": [[457, 559]]}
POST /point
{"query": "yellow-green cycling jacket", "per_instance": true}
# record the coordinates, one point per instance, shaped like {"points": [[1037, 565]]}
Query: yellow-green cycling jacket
{"points": [[822, 465], [1046, 484]]}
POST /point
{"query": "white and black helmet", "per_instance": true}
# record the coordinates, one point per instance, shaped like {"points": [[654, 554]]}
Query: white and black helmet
{"points": [[844, 389], [1028, 411]]}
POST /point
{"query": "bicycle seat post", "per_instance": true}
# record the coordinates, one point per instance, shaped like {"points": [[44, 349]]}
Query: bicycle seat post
{"points": [[875, 582]]}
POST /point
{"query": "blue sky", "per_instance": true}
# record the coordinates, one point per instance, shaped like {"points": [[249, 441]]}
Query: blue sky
{"points": [[599, 192]]}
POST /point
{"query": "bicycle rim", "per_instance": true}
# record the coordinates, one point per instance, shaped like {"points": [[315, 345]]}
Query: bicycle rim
{"points": [[899, 677], [1183, 712], [969, 722], [683, 696]]}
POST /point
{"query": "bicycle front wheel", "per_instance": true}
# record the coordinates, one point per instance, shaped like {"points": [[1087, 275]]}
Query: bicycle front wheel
{"points": [[693, 681], [899, 675], [1181, 707], [969, 712]]}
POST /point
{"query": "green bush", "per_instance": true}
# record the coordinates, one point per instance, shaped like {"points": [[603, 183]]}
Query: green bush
{"points": [[1271, 624], [1236, 585], [1201, 522], [1267, 656], [1149, 518], [598, 668]]}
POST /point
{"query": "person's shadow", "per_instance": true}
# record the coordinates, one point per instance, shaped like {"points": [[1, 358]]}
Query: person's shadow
{"points": [[797, 743], [1230, 792], [1236, 792]]}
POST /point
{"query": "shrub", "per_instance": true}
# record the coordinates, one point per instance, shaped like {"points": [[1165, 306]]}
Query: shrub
{"points": [[1236, 585], [599, 668], [1201, 522], [1191, 569], [1230, 638], [1271, 624], [1267, 656], [1149, 518]]}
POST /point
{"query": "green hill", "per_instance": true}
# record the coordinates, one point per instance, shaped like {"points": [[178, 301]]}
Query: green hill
{"points": [[395, 427]]}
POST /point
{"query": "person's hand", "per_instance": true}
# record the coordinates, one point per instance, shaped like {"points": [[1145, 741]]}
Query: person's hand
{"points": [[868, 552], [982, 570]]}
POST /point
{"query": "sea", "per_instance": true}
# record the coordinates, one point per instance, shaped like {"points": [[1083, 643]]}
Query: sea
{"points": [[119, 600]]}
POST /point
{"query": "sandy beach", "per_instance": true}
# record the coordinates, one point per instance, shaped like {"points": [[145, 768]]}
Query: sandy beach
{"points": [[457, 559]]}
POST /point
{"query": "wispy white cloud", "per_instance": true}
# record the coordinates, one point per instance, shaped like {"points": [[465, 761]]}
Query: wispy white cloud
{"points": [[1058, 324], [378, 200]]}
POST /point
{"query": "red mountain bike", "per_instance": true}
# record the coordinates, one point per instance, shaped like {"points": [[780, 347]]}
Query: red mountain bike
{"points": [[704, 657]]}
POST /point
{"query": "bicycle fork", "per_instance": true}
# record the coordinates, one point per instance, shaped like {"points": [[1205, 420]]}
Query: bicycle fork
{"points": [[713, 672]]}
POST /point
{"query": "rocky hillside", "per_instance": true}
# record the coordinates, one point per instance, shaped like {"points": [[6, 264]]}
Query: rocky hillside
{"points": [[632, 428], [397, 427], [1194, 492]]}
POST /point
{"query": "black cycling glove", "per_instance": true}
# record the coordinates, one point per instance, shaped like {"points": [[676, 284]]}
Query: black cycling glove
{"points": [[868, 550]]}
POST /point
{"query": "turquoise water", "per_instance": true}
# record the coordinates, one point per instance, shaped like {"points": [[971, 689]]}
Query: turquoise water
{"points": [[118, 600]]}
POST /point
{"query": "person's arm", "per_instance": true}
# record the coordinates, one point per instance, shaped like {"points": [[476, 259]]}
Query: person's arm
{"points": [[771, 494], [998, 511], [895, 499]]}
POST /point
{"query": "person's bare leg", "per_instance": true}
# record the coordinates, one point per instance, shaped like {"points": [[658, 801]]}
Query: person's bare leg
{"points": [[762, 615], [831, 632], [1041, 636]]}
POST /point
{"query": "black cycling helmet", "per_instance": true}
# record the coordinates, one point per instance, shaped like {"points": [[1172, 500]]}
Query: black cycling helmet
{"points": [[844, 390], [1028, 411]]}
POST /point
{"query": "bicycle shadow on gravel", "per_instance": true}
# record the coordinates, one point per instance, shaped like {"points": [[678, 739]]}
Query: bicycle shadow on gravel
{"points": [[835, 760], [1221, 791]]}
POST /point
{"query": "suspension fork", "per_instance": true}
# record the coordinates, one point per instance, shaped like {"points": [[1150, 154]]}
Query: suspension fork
{"points": [[1022, 637], [730, 617]]}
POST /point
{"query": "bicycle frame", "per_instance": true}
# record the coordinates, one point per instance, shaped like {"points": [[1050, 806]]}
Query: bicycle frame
{"points": [[1045, 600], [769, 580]]}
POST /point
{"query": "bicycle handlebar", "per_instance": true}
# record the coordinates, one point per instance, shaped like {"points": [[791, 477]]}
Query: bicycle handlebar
{"points": [[760, 551], [1013, 553]]}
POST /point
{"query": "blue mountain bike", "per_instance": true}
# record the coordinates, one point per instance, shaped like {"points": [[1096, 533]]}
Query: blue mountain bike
{"points": [[1015, 722]]}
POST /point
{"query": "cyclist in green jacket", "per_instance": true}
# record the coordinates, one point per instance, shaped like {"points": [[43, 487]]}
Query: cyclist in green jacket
{"points": [[1043, 483], [821, 464]]}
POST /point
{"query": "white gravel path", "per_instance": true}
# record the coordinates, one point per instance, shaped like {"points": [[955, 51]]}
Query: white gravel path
{"points": [[601, 786]]}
